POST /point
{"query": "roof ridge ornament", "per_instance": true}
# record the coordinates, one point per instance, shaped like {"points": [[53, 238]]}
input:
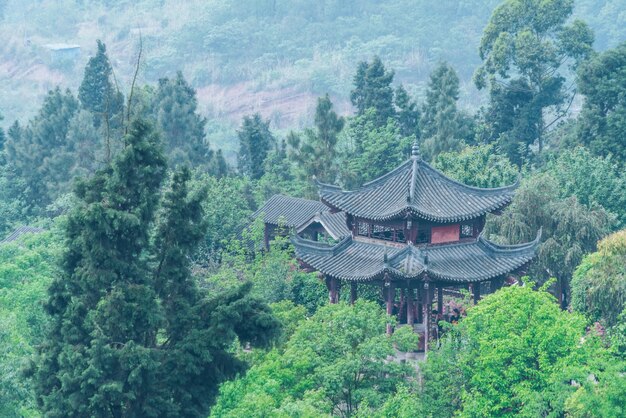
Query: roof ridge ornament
{"points": [[415, 151]]}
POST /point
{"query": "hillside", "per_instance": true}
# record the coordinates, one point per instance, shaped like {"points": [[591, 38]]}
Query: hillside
{"points": [[270, 56]]}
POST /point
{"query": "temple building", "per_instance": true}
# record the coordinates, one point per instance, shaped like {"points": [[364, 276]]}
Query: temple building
{"points": [[413, 232]]}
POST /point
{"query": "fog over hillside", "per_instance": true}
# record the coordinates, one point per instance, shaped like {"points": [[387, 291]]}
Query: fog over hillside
{"points": [[270, 56]]}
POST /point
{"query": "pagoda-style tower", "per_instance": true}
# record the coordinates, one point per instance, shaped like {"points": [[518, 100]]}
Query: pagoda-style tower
{"points": [[416, 230]]}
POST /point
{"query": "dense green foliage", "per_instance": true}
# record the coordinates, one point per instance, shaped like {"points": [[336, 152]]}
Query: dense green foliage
{"points": [[525, 48], [569, 229], [27, 268], [477, 166], [602, 81], [98, 94], [334, 364], [160, 289], [442, 123], [599, 283], [125, 311], [516, 354]]}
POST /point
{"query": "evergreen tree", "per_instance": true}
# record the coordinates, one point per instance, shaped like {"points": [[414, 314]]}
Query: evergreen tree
{"points": [[524, 48], [373, 151], [316, 153], [98, 94], [441, 121], [372, 89], [407, 112], [41, 152], [131, 335], [602, 122], [255, 142], [176, 113]]}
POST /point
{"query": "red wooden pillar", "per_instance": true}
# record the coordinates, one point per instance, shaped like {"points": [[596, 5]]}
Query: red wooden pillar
{"points": [[391, 296], [353, 292], [410, 317]]}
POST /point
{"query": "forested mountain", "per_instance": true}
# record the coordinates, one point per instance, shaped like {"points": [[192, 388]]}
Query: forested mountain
{"points": [[144, 271], [270, 56]]}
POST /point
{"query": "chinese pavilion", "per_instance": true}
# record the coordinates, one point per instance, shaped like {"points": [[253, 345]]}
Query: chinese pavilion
{"points": [[413, 229]]}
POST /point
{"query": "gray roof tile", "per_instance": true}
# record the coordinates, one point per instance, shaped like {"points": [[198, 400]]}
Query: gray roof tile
{"points": [[290, 211], [416, 187], [465, 262]]}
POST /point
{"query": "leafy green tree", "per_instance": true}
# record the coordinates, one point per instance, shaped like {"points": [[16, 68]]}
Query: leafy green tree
{"points": [[372, 151], [281, 177], [334, 364], [517, 354], [255, 142], [99, 95], [407, 113], [599, 282], [131, 334], [372, 89], [41, 153], [593, 180], [441, 121], [478, 166], [602, 121], [316, 153], [29, 265], [176, 112], [570, 229], [524, 48]]}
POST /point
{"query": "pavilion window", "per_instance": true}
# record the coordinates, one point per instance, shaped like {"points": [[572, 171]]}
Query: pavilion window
{"points": [[382, 232], [423, 235], [467, 230], [363, 229]]}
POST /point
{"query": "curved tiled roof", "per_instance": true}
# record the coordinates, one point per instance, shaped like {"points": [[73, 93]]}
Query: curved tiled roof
{"points": [[417, 188], [465, 262], [334, 223], [289, 211]]}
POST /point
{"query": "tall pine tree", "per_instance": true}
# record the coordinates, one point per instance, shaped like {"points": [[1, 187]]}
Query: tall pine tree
{"points": [[131, 335], [255, 142], [372, 89], [41, 153], [440, 122], [98, 94], [176, 113], [407, 113], [316, 152]]}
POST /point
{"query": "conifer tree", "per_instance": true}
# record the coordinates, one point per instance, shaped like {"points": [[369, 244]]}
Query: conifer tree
{"points": [[176, 113], [255, 142], [440, 122], [40, 152], [372, 89], [98, 94], [316, 152], [131, 335], [407, 113]]}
